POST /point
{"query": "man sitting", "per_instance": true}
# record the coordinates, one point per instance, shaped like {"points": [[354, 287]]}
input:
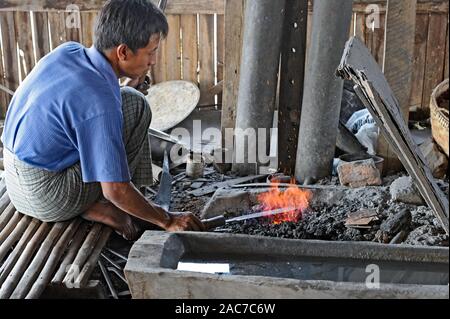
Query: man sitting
{"points": [[74, 138]]}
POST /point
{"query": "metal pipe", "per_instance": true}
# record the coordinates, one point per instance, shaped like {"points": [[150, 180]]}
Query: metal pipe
{"points": [[258, 82], [323, 90]]}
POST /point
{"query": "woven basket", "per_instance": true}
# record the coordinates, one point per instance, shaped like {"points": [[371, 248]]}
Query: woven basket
{"points": [[439, 116]]}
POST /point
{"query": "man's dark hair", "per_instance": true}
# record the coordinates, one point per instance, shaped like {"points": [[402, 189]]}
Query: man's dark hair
{"points": [[130, 22]]}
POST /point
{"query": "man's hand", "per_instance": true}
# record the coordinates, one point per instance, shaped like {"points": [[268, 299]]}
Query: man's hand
{"points": [[181, 221], [127, 198], [141, 84]]}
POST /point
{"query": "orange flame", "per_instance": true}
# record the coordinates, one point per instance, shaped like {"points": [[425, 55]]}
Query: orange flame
{"points": [[291, 197]]}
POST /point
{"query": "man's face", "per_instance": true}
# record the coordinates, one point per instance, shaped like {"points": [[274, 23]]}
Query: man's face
{"points": [[138, 64]]}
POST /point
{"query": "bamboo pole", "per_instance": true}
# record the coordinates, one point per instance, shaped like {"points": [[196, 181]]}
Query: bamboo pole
{"points": [[71, 253], [12, 223], [83, 254], [16, 273], [16, 253], [15, 236], [52, 262], [38, 261], [4, 202], [6, 216], [90, 264]]}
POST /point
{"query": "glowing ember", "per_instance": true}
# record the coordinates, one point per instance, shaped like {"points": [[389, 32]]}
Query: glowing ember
{"points": [[291, 197]]}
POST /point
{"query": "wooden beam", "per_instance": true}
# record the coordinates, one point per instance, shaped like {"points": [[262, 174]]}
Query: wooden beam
{"points": [[234, 24], [173, 6], [398, 62], [293, 55]]}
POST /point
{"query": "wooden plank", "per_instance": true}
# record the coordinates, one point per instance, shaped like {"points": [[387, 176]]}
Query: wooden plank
{"points": [[72, 23], [220, 52], [159, 72], [423, 6], [420, 53], [173, 50], [397, 65], [42, 38], [189, 44], [4, 97], [173, 6], [309, 32], [360, 26], [446, 53], [435, 56], [206, 58], [87, 30], [22, 25], [57, 28], [9, 51], [234, 19], [374, 38], [293, 53]]}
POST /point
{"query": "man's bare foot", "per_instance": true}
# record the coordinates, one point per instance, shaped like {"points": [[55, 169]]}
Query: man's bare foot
{"points": [[108, 214]]}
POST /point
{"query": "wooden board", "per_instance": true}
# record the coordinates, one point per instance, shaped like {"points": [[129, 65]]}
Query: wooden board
{"points": [[397, 65], [173, 50], [188, 25], [42, 38], [72, 22], [446, 53], [9, 51], [220, 52], [420, 52], [234, 18], [206, 59], [374, 38], [293, 53], [173, 6], [435, 56], [87, 30], [22, 26], [57, 28]]}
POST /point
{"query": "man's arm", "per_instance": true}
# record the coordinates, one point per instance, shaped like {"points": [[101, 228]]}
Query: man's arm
{"points": [[126, 197]]}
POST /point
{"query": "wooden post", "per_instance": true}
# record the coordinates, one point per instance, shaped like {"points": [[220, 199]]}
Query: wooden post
{"points": [[400, 30], [234, 20], [293, 54]]}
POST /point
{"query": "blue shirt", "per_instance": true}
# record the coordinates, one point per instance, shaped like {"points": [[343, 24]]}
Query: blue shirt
{"points": [[69, 110]]}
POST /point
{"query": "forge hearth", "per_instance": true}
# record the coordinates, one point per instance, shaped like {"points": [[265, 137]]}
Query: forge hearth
{"points": [[327, 217], [262, 267]]}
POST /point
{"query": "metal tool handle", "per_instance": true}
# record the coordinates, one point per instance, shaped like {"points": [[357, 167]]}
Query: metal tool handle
{"points": [[214, 222]]}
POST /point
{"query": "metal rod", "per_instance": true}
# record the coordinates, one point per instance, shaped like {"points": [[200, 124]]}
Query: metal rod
{"points": [[118, 273], [117, 254], [108, 280], [111, 262]]}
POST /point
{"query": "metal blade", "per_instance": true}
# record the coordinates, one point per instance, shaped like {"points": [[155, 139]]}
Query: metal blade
{"points": [[261, 214], [165, 187]]}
